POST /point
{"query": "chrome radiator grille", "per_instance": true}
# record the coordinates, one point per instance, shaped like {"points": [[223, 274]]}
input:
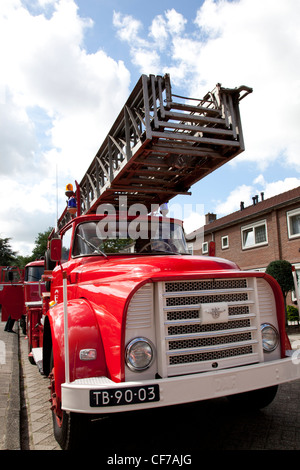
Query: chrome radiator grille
{"points": [[207, 324]]}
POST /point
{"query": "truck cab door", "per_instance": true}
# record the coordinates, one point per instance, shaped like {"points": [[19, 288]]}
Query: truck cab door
{"points": [[12, 297]]}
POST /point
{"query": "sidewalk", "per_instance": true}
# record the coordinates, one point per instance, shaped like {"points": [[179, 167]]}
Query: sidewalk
{"points": [[36, 395], [9, 389]]}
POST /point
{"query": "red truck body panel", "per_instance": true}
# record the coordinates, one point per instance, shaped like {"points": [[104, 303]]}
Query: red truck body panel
{"points": [[11, 293]]}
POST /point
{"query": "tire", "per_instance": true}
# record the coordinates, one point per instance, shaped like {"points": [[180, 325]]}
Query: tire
{"points": [[256, 399], [71, 434], [70, 429]]}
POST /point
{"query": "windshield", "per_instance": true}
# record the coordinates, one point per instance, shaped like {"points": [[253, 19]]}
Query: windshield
{"points": [[34, 273], [8, 274], [145, 238]]}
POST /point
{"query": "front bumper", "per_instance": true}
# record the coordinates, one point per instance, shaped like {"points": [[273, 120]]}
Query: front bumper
{"points": [[182, 389]]}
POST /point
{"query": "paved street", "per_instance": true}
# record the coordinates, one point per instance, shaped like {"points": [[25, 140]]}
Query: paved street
{"points": [[214, 425]]}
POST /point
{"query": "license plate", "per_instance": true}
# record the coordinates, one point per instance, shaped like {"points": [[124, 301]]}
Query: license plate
{"points": [[124, 396]]}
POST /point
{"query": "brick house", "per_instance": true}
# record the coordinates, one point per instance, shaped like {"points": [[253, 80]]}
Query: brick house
{"points": [[252, 237]]}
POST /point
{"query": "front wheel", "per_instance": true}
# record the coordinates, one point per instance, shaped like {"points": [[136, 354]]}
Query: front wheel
{"points": [[255, 399], [70, 429]]}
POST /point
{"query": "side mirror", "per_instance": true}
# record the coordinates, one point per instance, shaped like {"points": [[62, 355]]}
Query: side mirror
{"points": [[55, 249]]}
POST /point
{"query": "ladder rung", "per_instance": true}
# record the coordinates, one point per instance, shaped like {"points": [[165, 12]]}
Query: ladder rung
{"points": [[195, 109], [206, 140], [194, 118], [186, 127]]}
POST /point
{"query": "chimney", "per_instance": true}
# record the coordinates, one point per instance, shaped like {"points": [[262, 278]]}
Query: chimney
{"points": [[242, 205], [254, 200], [262, 195], [209, 218]]}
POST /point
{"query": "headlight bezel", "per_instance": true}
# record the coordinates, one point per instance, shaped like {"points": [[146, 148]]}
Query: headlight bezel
{"points": [[269, 345], [129, 350]]}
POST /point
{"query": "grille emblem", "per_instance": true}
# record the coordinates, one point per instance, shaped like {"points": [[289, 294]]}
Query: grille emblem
{"points": [[214, 313]]}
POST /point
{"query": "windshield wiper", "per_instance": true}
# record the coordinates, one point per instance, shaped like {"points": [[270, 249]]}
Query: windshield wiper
{"points": [[93, 247]]}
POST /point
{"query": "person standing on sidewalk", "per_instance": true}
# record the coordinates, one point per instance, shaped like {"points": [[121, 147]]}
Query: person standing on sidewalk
{"points": [[9, 325]]}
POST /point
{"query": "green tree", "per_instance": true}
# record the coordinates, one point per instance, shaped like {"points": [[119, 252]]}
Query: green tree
{"points": [[38, 250], [292, 313], [41, 244], [7, 255], [21, 261], [281, 270]]}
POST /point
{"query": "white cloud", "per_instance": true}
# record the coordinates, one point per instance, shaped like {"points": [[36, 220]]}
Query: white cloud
{"points": [[47, 75], [193, 222], [232, 203], [17, 138], [246, 192], [250, 42], [172, 23], [147, 60], [192, 215], [260, 180], [176, 21], [46, 66], [142, 52], [44, 3], [256, 43], [158, 30], [28, 210], [128, 28], [277, 187]]}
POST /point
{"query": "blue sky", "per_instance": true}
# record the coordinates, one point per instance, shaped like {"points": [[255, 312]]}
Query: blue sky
{"points": [[67, 67]]}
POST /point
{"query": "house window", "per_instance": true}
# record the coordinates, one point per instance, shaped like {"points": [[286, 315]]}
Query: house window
{"points": [[293, 223], [204, 247], [190, 248], [225, 242], [254, 235], [296, 291]]}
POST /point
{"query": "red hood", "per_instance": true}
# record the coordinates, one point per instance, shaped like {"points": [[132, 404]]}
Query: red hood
{"points": [[109, 283], [141, 268]]}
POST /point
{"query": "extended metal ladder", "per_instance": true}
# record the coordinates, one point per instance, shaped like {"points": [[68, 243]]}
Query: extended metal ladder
{"points": [[158, 148]]}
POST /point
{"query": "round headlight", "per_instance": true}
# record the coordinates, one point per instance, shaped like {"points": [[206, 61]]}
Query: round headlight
{"points": [[139, 354], [270, 337]]}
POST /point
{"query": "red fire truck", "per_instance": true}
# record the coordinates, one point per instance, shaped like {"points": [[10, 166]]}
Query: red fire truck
{"points": [[132, 321], [21, 293]]}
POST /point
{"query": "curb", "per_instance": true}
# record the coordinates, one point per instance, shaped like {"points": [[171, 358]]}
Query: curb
{"points": [[12, 439], [14, 405]]}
